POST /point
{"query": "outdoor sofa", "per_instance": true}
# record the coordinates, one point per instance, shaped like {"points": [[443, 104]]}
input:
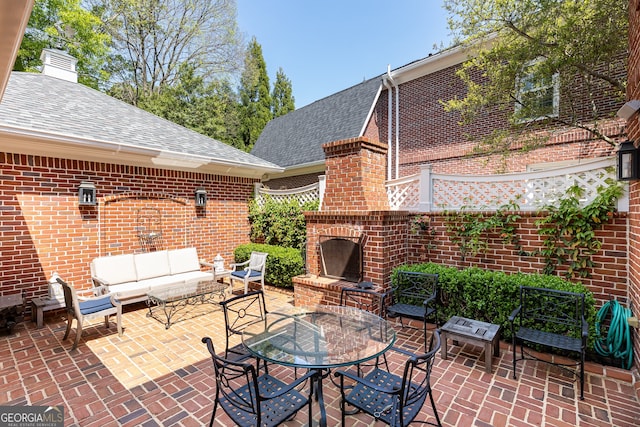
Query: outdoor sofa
{"points": [[132, 276]]}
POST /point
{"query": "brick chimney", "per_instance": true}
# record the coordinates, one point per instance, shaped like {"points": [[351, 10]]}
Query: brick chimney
{"points": [[355, 171], [59, 64]]}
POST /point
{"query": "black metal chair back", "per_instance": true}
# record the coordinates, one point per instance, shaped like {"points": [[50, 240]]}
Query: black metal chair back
{"points": [[239, 312], [364, 299], [390, 398], [252, 400], [414, 295], [416, 384]]}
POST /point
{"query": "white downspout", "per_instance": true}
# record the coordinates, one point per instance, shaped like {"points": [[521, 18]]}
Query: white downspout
{"points": [[397, 134], [389, 127]]}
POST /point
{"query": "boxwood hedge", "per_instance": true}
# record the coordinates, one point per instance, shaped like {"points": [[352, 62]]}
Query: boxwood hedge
{"points": [[491, 296]]}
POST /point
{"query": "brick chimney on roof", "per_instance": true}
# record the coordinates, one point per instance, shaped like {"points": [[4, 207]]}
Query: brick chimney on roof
{"points": [[355, 176]]}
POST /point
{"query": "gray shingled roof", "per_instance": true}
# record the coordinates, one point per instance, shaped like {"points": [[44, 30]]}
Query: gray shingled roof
{"points": [[297, 137], [35, 102]]}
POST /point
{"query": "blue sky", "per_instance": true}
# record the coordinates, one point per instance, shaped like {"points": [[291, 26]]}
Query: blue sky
{"points": [[329, 45]]}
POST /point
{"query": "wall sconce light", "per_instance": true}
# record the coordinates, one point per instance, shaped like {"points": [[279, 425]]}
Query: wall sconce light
{"points": [[628, 162], [87, 194], [629, 109], [201, 197]]}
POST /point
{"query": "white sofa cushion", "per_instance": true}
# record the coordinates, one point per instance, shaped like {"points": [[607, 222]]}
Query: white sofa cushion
{"points": [[183, 260], [151, 264], [114, 269]]}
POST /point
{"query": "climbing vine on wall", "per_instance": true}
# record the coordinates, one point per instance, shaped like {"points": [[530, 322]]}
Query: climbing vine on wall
{"points": [[469, 229], [569, 230]]}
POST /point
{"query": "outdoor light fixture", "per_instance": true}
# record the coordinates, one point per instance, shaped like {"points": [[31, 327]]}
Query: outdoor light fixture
{"points": [[628, 162], [629, 109], [201, 197], [87, 194]]}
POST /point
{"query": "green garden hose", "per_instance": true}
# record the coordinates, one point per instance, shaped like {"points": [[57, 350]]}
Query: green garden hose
{"points": [[617, 343]]}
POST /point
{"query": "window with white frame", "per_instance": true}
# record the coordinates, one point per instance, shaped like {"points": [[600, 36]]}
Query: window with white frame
{"points": [[537, 96]]}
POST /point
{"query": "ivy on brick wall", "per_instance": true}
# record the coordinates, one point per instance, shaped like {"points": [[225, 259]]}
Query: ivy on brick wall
{"points": [[568, 230], [470, 230]]}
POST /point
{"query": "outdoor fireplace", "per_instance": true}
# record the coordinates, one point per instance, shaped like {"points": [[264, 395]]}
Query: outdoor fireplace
{"points": [[341, 257]]}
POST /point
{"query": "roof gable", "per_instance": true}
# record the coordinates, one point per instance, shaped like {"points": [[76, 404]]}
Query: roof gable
{"points": [[297, 137]]}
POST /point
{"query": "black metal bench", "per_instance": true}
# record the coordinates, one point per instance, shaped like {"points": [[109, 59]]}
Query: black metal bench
{"points": [[551, 318], [414, 296]]}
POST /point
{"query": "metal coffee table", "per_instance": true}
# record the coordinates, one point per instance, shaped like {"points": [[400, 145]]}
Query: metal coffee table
{"points": [[473, 332], [174, 299]]}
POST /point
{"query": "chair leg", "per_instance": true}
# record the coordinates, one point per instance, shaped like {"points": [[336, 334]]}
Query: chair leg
{"points": [[119, 321], [106, 322], [582, 378], [66, 334], [78, 334], [435, 411], [213, 414], [514, 350]]}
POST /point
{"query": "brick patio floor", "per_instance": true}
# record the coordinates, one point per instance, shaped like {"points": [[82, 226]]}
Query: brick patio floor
{"points": [[156, 377]]}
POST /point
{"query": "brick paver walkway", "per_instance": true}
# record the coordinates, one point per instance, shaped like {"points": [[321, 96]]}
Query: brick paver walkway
{"points": [[156, 377]]}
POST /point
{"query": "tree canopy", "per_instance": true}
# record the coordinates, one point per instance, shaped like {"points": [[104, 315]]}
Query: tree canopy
{"points": [[529, 44], [255, 99], [152, 39], [66, 25], [282, 95]]}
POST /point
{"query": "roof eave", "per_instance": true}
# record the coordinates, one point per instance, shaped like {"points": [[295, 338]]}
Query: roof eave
{"points": [[45, 144], [440, 61], [14, 17]]}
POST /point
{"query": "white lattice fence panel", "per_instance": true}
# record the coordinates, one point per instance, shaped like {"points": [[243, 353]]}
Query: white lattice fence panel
{"points": [[474, 195], [303, 195], [530, 191], [404, 195]]}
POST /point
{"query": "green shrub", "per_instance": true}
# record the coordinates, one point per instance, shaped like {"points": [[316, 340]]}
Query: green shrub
{"points": [[491, 296], [280, 223], [282, 263]]}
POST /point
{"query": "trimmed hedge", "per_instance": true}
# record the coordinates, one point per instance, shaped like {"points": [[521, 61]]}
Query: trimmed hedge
{"points": [[282, 263], [491, 296]]}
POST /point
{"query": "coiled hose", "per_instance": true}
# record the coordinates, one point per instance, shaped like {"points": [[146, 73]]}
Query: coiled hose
{"points": [[617, 343]]}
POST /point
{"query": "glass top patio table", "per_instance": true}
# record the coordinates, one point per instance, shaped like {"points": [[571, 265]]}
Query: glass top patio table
{"points": [[319, 337]]}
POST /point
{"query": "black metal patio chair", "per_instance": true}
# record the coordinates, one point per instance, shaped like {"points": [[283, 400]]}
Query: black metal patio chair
{"points": [[553, 319], [239, 312], [252, 400], [392, 399], [414, 295]]}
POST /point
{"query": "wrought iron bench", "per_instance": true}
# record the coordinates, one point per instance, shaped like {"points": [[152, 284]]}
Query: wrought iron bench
{"points": [[414, 296], [551, 318]]}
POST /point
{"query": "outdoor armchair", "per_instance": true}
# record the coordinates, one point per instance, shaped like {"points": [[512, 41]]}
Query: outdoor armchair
{"points": [[252, 400], [553, 319], [393, 399], [241, 311], [414, 295], [251, 270], [85, 308]]}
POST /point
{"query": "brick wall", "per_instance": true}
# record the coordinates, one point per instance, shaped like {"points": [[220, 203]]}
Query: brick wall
{"points": [[607, 279], [633, 129], [42, 228], [356, 167], [293, 181]]}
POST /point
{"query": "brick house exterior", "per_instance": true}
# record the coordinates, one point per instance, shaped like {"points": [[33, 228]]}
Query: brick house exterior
{"points": [[416, 124], [56, 134], [633, 130]]}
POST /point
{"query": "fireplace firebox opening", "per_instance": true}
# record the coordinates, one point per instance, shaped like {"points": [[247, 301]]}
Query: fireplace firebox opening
{"points": [[341, 257]]}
